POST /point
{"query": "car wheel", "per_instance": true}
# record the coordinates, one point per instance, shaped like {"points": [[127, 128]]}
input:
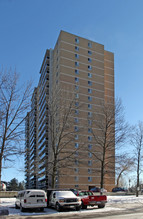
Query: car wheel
{"points": [[78, 208], [21, 208], [58, 207], [84, 206], [16, 206], [101, 206]]}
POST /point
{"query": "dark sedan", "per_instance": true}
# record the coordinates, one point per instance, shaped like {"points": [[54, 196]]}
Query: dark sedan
{"points": [[119, 189], [95, 189]]}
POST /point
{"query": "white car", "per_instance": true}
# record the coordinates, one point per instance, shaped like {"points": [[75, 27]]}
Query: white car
{"points": [[31, 198], [64, 199]]}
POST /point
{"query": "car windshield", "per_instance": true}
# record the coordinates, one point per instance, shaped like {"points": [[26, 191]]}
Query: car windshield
{"points": [[85, 193], [65, 193]]}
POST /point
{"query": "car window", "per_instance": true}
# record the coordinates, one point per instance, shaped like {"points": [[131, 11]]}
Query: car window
{"points": [[40, 196], [81, 193], [31, 196]]}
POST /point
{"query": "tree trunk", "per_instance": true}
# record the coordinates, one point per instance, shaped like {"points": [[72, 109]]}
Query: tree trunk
{"points": [[102, 175], [0, 172], [54, 174], [137, 189]]}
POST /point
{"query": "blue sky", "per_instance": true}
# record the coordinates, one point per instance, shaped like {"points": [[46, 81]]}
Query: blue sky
{"points": [[29, 27]]}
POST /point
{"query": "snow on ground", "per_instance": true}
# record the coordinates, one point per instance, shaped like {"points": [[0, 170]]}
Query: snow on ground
{"points": [[9, 204], [125, 199]]}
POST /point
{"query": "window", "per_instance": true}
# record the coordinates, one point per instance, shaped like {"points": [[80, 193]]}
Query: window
{"points": [[76, 162], [89, 138], [89, 154], [77, 71], [90, 146], [76, 145], [77, 56], [89, 163], [89, 60], [89, 179], [76, 48], [76, 178], [76, 103], [76, 79], [76, 153], [89, 45], [89, 114], [89, 130], [89, 106], [76, 128], [76, 137], [89, 122], [76, 63], [89, 52], [89, 75], [90, 83], [89, 171], [76, 40], [76, 87], [76, 120], [76, 170], [89, 91], [89, 98], [89, 67], [76, 112], [76, 95]]}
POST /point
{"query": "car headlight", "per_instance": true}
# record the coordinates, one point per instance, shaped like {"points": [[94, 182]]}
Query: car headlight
{"points": [[61, 200], [79, 200]]}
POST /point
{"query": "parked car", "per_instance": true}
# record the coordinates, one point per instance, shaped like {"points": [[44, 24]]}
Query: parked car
{"points": [[119, 189], [63, 199], [31, 198], [3, 186], [95, 189], [89, 199]]}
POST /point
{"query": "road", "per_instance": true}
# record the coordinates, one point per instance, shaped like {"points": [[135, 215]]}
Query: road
{"points": [[127, 211]]}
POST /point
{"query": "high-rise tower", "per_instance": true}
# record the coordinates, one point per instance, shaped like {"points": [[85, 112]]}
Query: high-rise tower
{"points": [[76, 76]]}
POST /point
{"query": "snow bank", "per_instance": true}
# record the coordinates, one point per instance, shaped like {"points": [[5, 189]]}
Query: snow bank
{"points": [[124, 199]]}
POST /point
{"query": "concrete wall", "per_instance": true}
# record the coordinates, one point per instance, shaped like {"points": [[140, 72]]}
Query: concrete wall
{"points": [[8, 194]]}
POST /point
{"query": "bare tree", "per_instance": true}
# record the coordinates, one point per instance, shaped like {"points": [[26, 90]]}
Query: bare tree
{"points": [[137, 142], [124, 164], [109, 129], [14, 102], [61, 133]]}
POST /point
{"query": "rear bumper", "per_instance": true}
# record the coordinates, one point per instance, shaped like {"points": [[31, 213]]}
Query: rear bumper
{"points": [[34, 206], [97, 202]]}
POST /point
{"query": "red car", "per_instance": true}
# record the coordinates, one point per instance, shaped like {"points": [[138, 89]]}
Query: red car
{"points": [[89, 199]]}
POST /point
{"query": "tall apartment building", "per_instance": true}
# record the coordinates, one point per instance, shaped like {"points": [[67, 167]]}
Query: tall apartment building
{"points": [[84, 71], [31, 155]]}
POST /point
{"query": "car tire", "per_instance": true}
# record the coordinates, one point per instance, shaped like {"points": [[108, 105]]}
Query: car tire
{"points": [[84, 206], [21, 208], [16, 206], [78, 208], [101, 206], [58, 207]]}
